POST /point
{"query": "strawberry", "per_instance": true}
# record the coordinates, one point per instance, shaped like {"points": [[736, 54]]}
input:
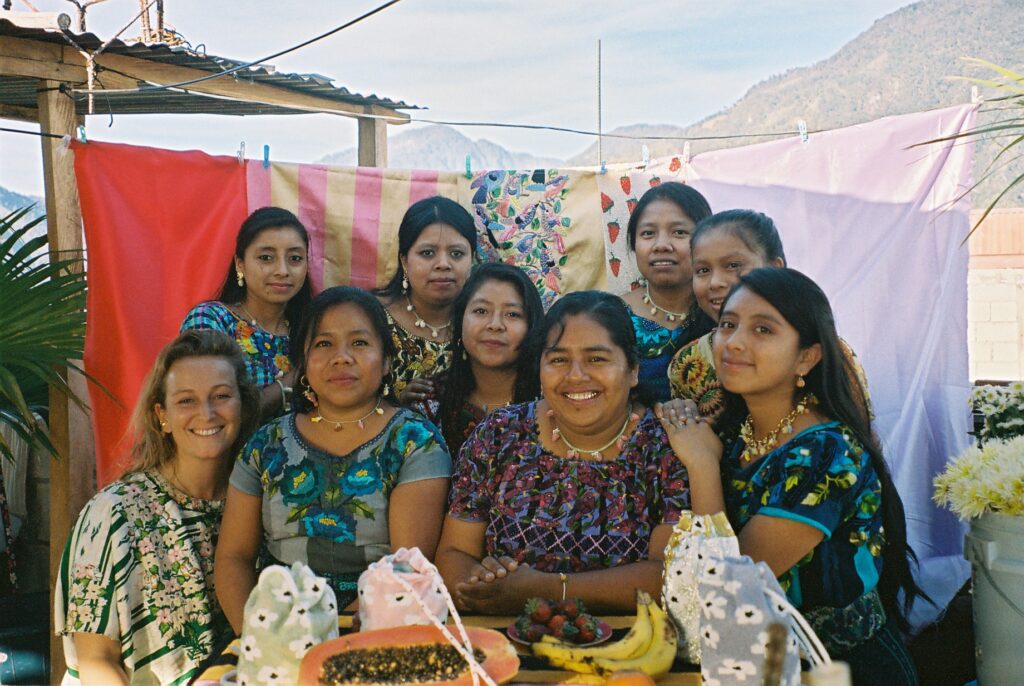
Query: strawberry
{"points": [[674, 165], [534, 633], [587, 636], [538, 610], [631, 205], [523, 625], [626, 184], [615, 263], [556, 624], [655, 181], [606, 203], [571, 607], [584, 621], [613, 230]]}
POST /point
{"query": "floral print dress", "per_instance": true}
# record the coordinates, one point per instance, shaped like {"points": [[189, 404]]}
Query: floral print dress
{"points": [[138, 569], [266, 354], [331, 511], [566, 515], [414, 356], [658, 345], [821, 477]]}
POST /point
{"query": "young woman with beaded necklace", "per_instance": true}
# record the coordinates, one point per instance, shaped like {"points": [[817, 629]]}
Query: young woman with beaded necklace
{"points": [[265, 290], [345, 478], [805, 486], [436, 248], [664, 313]]}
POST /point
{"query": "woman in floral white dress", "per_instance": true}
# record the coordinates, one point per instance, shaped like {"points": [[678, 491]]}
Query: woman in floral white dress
{"points": [[135, 601]]}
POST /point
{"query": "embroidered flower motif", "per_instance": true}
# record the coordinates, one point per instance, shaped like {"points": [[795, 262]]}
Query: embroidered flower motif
{"points": [[299, 484], [710, 636], [262, 618], [361, 478], [272, 676], [250, 648], [749, 614], [330, 525], [758, 648], [301, 646]]}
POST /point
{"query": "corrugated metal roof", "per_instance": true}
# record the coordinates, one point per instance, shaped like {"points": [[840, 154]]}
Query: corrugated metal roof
{"points": [[22, 91]]}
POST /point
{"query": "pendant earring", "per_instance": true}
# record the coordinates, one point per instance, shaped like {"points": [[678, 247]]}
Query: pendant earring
{"points": [[384, 391], [309, 393], [405, 286], [800, 383], [464, 355], [240, 279]]}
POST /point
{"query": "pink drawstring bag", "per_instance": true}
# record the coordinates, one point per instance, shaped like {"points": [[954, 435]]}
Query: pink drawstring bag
{"points": [[388, 586]]}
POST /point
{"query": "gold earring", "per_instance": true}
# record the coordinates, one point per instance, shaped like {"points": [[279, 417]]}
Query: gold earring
{"points": [[385, 390], [240, 279], [800, 383]]}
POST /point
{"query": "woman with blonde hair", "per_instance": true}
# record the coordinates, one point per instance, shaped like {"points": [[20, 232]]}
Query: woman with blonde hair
{"points": [[135, 601]]}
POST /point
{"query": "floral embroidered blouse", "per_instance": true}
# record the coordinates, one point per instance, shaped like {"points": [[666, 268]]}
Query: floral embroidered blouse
{"points": [[821, 477], [560, 514], [658, 345], [415, 356], [692, 375], [266, 354], [331, 511], [138, 569]]}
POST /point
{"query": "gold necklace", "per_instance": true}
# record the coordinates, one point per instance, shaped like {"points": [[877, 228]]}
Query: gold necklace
{"points": [[754, 448], [655, 308], [422, 323], [339, 424], [574, 452], [254, 322]]}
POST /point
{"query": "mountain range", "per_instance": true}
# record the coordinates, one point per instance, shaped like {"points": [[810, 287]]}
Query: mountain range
{"points": [[907, 61]]}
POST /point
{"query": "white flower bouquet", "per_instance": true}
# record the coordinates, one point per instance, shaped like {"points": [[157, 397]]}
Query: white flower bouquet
{"points": [[987, 478], [1002, 408]]}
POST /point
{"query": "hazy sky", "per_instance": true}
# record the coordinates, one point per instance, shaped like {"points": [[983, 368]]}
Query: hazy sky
{"points": [[523, 61]]}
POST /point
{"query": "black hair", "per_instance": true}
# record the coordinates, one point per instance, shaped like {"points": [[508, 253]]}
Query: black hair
{"points": [[607, 310], [755, 229], [458, 381], [420, 215], [803, 304], [687, 198], [327, 299], [256, 223]]}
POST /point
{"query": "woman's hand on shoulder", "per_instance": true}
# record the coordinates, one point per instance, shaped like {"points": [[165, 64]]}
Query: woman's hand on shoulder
{"points": [[418, 390], [692, 437]]}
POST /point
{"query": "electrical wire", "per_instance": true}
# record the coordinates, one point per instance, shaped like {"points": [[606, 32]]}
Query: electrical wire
{"points": [[239, 67]]}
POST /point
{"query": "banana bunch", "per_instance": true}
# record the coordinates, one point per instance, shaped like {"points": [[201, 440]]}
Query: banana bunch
{"points": [[649, 647]]}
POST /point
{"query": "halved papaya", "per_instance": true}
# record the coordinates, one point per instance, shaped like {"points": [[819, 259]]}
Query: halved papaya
{"points": [[415, 655]]}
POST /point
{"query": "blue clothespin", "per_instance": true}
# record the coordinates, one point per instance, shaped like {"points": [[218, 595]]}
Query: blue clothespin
{"points": [[801, 126], [81, 133], [266, 156], [469, 166], [604, 169]]}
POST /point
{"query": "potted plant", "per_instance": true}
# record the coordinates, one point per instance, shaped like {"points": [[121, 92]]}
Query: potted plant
{"points": [[985, 486]]}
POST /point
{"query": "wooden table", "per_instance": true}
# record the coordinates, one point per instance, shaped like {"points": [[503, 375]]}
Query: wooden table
{"points": [[532, 670]]}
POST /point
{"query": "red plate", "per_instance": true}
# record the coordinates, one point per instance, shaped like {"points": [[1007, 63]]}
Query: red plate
{"points": [[604, 632]]}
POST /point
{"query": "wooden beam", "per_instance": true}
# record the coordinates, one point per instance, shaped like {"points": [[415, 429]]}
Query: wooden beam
{"points": [[24, 57], [69, 429], [373, 143], [25, 114]]}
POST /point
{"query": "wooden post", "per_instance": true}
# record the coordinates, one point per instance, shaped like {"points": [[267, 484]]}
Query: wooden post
{"points": [[71, 476], [373, 142]]}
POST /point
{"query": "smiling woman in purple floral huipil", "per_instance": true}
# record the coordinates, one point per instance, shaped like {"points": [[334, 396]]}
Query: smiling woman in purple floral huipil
{"points": [[344, 479], [574, 494]]}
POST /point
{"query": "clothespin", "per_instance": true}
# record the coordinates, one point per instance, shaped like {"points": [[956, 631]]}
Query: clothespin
{"points": [[604, 169], [686, 153], [801, 126], [266, 156], [976, 98], [646, 153], [241, 153], [469, 166], [80, 131]]}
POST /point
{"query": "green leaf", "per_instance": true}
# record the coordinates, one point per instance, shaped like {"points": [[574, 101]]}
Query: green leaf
{"points": [[562, 260]]}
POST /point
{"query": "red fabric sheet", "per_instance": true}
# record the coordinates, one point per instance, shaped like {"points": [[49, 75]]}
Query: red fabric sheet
{"points": [[160, 227]]}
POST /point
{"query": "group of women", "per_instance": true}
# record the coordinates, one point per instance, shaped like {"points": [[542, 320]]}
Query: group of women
{"points": [[526, 453]]}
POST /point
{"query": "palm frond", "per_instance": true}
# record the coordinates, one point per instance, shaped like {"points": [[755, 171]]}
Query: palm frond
{"points": [[42, 307]]}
